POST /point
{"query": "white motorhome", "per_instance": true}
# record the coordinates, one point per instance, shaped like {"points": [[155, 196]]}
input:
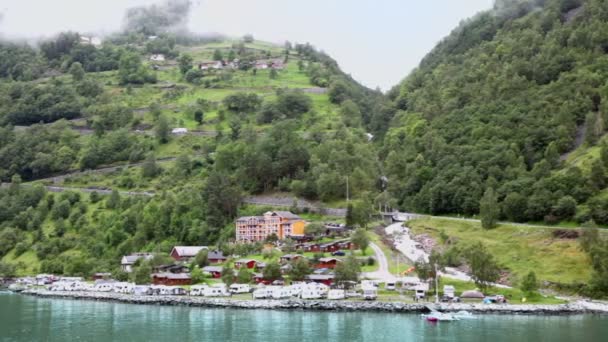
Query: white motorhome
{"points": [[176, 291], [370, 293], [311, 292], [295, 290], [449, 291], [262, 293], [124, 287], [281, 292], [390, 286], [216, 291], [240, 288], [104, 287], [336, 294], [420, 291], [197, 290], [142, 291]]}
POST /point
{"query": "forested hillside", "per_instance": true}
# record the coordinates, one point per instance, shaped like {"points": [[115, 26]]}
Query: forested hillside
{"points": [[497, 108], [194, 122]]}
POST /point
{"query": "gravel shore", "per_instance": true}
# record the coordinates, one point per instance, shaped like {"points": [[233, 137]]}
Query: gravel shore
{"points": [[326, 305]]}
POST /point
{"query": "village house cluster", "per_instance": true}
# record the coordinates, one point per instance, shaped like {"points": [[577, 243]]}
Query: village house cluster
{"points": [[261, 64]]}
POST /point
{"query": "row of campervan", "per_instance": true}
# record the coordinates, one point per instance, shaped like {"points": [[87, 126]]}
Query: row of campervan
{"points": [[303, 291]]}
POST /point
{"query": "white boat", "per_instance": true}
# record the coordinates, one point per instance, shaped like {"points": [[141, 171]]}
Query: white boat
{"points": [[436, 316]]}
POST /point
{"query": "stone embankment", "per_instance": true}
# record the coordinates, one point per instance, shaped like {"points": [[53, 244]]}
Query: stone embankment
{"points": [[326, 305]]}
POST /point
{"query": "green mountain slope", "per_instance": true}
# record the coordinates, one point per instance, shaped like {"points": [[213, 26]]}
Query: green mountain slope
{"points": [[267, 118], [496, 104]]}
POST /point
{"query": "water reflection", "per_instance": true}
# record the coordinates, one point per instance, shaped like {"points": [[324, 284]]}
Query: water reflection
{"points": [[30, 319]]}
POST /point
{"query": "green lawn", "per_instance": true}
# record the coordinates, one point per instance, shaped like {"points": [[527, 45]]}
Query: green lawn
{"points": [[517, 248]]}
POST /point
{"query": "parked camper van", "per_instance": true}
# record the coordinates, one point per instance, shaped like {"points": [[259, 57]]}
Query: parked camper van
{"points": [[240, 288], [197, 290], [389, 286], [420, 292], [370, 293], [104, 287], [281, 292], [311, 291], [262, 293], [336, 294], [124, 288], [216, 291], [142, 291]]}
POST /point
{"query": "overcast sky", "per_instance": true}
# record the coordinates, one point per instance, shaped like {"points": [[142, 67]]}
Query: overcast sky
{"points": [[377, 41]]}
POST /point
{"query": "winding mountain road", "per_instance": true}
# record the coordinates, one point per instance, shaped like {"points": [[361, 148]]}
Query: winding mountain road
{"points": [[382, 273]]}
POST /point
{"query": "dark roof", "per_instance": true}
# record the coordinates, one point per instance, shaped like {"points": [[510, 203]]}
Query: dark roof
{"points": [[245, 261], [188, 251], [215, 255], [287, 214], [172, 275], [324, 260], [212, 269]]}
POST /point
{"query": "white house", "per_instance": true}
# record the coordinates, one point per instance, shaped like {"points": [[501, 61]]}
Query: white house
{"points": [[157, 58], [179, 130], [127, 261]]}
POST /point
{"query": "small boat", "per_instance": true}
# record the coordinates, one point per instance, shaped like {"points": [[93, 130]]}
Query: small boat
{"points": [[436, 316], [432, 319]]}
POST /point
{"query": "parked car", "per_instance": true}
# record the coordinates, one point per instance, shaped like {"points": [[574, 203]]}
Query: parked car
{"points": [[338, 253]]}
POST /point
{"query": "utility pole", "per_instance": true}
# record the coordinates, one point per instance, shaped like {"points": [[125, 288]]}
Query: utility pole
{"points": [[436, 285], [347, 191]]}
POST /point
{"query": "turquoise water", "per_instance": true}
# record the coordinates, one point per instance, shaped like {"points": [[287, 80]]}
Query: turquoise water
{"points": [[25, 318]]}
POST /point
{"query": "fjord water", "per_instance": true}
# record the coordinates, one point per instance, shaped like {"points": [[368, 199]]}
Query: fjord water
{"points": [[25, 318]]}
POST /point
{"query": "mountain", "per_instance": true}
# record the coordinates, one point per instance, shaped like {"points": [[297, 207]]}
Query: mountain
{"points": [[513, 100], [156, 139]]}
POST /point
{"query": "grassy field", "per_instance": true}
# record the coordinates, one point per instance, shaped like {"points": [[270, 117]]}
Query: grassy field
{"points": [[516, 248]]}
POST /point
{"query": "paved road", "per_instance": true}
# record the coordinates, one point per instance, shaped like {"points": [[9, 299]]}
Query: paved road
{"points": [[382, 273], [407, 246], [287, 201]]}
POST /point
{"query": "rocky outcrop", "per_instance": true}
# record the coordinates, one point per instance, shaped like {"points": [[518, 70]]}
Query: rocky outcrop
{"points": [[325, 305]]}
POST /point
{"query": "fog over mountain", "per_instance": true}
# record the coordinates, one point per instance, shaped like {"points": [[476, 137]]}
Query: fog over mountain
{"points": [[357, 33]]}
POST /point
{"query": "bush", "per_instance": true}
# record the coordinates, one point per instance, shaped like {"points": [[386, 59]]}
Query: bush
{"points": [[371, 261]]}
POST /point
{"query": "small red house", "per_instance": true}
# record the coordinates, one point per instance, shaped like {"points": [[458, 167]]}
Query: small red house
{"points": [[328, 263], [329, 247], [346, 245], [215, 271], [248, 263], [101, 276], [216, 257], [327, 279], [258, 277], [171, 279], [311, 247]]}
